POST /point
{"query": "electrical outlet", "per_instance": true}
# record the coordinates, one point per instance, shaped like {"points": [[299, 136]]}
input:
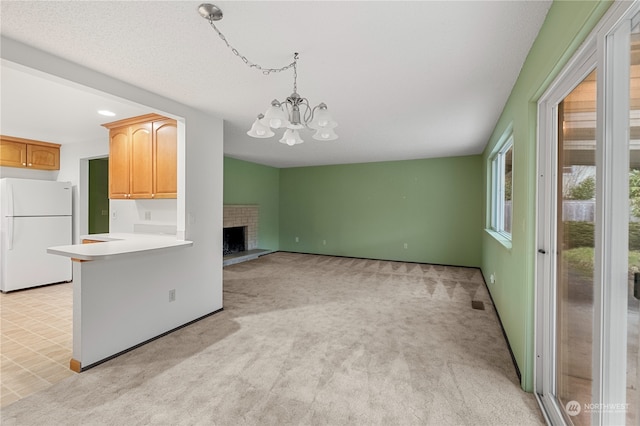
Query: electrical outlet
{"points": [[492, 278], [172, 295], [297, 240], [324, 242], [406, 246], [114, 214], [147, 215], [105, 212]]}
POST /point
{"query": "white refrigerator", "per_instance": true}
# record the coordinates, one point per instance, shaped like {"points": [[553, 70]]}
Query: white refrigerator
{"points": [[35, 215]]}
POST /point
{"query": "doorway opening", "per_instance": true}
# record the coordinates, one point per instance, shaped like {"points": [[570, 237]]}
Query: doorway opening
{"points": [[99, 196]]}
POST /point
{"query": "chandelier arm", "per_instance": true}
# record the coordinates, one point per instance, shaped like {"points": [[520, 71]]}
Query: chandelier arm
{"points": [[308, 113], [313, 112], [265, 71], [287, 107]]}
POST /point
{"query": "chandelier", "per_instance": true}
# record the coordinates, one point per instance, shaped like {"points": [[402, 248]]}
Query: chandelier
{"points": [[293, 113]]}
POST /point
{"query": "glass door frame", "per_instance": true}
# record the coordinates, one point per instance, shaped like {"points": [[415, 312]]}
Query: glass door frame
{"points": [[607, 50], [546, 263], [614, 193]]}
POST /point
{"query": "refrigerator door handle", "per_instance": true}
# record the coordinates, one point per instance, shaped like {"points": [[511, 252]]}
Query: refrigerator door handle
{"points": [[9, 199], [10, 233]]}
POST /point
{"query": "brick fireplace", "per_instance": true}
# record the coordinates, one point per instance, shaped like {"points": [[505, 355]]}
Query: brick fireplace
{"points": [[243, 215]]}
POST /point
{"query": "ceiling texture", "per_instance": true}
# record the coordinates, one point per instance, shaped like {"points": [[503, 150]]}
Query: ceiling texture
{"points": [[404, 80]]}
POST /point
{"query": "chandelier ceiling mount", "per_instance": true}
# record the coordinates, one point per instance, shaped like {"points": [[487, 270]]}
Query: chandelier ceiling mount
{"points": [[210, 11]]}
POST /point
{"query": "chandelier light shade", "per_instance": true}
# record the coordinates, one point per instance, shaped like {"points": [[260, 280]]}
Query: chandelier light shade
{"points": [[293, 113], [291, 137], [325, 135], [259, 129], [322, 119], [275, 117]]}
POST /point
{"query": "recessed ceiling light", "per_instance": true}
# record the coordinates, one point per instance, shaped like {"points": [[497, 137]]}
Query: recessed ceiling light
{"points": [[106, 113]]}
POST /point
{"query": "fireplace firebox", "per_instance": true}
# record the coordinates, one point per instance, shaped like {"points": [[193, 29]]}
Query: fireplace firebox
{"points": [[234, 240]]}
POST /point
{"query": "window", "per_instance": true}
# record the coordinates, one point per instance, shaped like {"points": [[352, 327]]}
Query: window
{"points": [[501, 187]]}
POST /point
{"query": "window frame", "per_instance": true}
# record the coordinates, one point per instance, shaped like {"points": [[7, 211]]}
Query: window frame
{"points": [[496, 167]]}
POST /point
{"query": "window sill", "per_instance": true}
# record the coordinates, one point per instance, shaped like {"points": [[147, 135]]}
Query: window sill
{"points": [[499, 237]]}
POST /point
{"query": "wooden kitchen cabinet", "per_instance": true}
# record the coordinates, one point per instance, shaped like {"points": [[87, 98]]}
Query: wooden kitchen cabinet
{"points": [[13, 154], [165, 175], [27, 153], [119, 174], [141, 145], [43, 157], [143, 158]]}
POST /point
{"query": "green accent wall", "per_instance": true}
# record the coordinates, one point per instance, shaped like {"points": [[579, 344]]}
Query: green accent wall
{"points": [[99, 196], [371, 210], [566, 26], [250, 183]]}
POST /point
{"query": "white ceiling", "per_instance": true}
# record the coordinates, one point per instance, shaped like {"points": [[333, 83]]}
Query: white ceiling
{"points": [[404, 80], [41, 107]]}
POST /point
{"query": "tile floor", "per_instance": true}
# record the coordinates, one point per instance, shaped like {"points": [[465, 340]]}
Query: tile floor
{"points": [[35, 347]]}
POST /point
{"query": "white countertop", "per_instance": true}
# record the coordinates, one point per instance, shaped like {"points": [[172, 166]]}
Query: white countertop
{"points": [[118, 244]]}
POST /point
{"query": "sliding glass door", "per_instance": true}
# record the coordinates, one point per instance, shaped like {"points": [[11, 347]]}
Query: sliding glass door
{"points": [[588, 261]]}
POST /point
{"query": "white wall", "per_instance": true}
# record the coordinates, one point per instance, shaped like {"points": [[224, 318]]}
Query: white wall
{"points": [[17, 172], [125, 214], [200, 173], [125, 301]]}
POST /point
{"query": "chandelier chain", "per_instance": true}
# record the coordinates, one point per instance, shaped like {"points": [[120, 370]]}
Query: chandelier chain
{"points": [[295, 73], [265, 71]]}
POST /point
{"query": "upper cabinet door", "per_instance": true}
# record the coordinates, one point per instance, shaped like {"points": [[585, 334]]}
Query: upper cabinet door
{"points": [[119, 175], [13, 154], [141, 161], [43, 157], [165, 174]]}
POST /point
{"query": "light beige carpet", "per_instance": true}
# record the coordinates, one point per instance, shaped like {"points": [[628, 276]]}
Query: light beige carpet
{"points": [[311, 340]]}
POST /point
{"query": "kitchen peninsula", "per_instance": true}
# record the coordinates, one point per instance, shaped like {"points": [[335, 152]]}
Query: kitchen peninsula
{"points": [[127, 290]]}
